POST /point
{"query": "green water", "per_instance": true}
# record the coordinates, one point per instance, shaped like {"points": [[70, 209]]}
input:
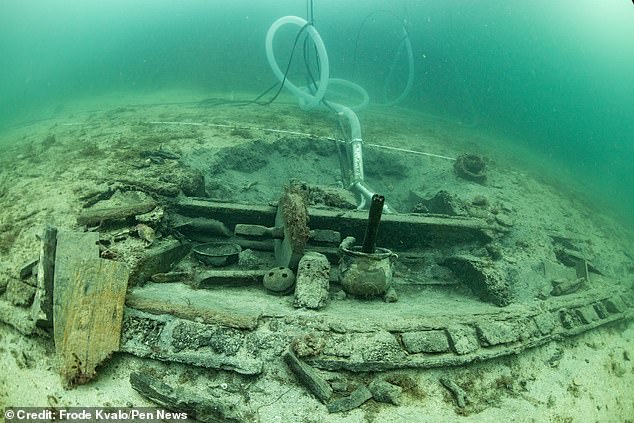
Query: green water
{"points": [[556, 76]]}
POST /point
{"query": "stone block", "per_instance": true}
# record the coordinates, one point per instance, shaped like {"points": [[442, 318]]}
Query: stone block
{"points": [[383, 391], [546, 323], [496, 333], [429, 341], [615, 305], [463, 340], [381, 347], [587, 314], [484, 279]]}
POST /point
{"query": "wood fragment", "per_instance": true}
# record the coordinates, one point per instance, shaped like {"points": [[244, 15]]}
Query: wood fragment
{"points": [[87, 317], [94, 216], [190, 312], [42, 308], [158, 259], [325, 236], [581, 270], [94, 197], [209, 409], [203, 225], [459, 394], [566, 286], [309, 377], [258, 231], [169, 277], [26, 270], [356, 399], [331, 252], [167, 189], [571, 258]]}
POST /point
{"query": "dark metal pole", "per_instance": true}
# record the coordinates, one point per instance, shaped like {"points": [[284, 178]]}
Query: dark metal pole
{"points": [[374, 218]]}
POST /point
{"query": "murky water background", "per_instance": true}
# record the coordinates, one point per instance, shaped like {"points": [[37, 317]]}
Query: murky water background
{"points": [[555, 76]]}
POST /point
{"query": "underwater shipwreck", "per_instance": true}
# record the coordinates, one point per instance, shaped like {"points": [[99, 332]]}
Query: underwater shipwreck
{"points": [[243, 287], [215, 259]]}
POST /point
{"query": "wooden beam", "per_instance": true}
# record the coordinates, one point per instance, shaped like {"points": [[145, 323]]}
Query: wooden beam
{"points": [[96, 215], [397, 231]]}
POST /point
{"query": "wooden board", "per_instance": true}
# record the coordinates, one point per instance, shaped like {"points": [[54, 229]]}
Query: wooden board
{"points": [[397, 231], [88, 299], [94, 216], [42, 308], [210, 307]]}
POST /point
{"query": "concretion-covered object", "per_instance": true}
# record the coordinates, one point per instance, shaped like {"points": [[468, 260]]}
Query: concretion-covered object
{"points": [[363, 274], [313, 281], [279, 279], [471, 167]]}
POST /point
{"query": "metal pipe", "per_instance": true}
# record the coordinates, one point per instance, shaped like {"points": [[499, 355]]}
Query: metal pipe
{"points": [[356, 158], [374, 218], [365, 196]]}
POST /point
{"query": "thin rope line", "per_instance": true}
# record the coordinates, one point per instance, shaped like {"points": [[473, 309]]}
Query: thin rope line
{"points": [[304, 134]]}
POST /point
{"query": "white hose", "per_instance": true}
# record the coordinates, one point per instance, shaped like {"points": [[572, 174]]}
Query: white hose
{"points": [[306, 99], [407, 45], [353, 120], [365, 98]]}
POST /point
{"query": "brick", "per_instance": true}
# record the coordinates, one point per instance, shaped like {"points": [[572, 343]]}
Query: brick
{"points": [[586, 314], [495, 333], [428, 341], [463, 340]]}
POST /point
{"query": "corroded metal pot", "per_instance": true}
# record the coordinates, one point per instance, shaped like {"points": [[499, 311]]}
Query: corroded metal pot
{"points": [[366, 274]]}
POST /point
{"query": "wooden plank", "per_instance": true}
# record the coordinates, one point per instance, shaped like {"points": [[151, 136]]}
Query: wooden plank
{"points": [[70, 248], [219, 407], [209, 307], [88, 299], [94, 216], [308, 376], [140, 300], [399, 231], [396, 231], [88, 317], [228, 213], [42, 308]]}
